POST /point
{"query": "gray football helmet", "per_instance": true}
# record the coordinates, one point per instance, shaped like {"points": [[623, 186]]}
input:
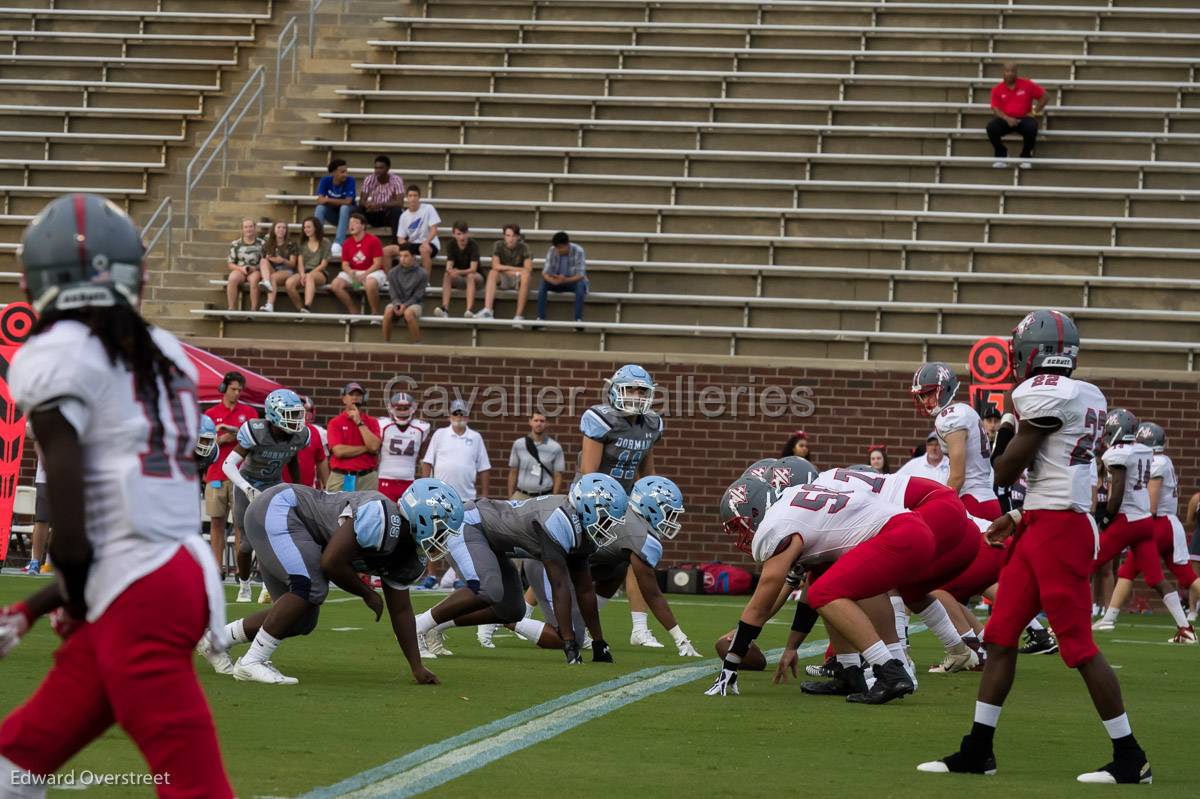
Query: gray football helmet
{"points": [[743, 506], [1044, 339], [1120, 427], [933, 387], [1152, 435]]}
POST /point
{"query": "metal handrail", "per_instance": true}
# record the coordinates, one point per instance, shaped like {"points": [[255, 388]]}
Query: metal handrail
{"points": [[290, 32], [256, 85], [164, 226]]}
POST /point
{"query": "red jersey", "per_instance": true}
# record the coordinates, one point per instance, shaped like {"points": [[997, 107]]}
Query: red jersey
{"points": [[361, 254], [1016, 102], [234, 417], [310, 456], [344, 431]]}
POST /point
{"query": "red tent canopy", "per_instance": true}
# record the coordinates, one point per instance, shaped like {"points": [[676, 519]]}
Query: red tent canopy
{"points": [[211, 369]]}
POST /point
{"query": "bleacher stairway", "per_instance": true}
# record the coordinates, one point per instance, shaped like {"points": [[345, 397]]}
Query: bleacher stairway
{"points": [[795, 178]]}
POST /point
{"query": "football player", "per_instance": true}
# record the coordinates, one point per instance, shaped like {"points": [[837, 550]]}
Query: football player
{"points": [[1127, 521], [617, 441], [1050, 560], [306, 539], [560, 531], [401, 436], [112, 401], [962, 435], [264, 447]]}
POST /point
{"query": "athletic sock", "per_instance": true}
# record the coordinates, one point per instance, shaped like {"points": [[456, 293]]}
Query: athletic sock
{"points": [[531, 629], [1171, 600], [877, 653], [897, 651], [1110, 615], [901, 619], [1121, 733], [938, 621], [446, 625], [639, 620], [236, 630], [846, 661], [983, 730], [261, 649], [528, 610], [425, 622], [1034, 624]]}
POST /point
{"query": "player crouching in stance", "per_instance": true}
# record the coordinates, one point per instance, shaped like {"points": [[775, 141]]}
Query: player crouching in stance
{"points": [[1051, 555], [870, 544], [561, 532], [112, 401], [306, 538]]}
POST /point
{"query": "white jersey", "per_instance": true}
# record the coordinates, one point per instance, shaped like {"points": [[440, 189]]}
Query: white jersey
{"points": [[891, 488], [1060, 476], [1135, 459], [139, 470], [831, 523], [978, 478], [400, 447], [1168, 496]]}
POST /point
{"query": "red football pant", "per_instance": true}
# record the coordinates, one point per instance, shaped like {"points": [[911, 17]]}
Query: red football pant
{"points": [[955, 537], [903, 546], [133, 667], [1049, 568], [1139, 537], [989, 510], [1164, 543], [392, 489], [983, 572]]}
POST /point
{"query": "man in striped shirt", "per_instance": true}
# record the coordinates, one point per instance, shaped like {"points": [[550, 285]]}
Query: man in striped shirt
{"points": [[382, 197], [565, 270]]}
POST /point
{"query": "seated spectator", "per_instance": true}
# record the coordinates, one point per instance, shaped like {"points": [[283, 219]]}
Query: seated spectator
{"points": [[512, 266], [418, 231], [245, 254], [335, 196], [280, 254], [362, 266], [406, 290], [877, 457], [311, 263], [1016, 104], [565, 270], [382, 196], [462, 269]]}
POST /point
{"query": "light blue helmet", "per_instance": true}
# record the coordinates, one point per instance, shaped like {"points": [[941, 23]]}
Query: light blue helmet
{"points": [[659, 502], [625, 381], [206, 442], [285, 410], [600, 503], [434, 512]]}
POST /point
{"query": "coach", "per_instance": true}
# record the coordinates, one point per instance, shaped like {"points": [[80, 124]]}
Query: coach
{"points": [[353, 445], [1016, 102]]}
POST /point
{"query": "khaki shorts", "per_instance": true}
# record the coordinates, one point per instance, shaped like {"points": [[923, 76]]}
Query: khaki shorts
{"points": [[460, 281], [378, 277], [416, 308], [508, 281], [363, 482], [218, 498]]}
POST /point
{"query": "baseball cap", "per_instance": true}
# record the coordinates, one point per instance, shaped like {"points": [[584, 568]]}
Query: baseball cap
{"points": [[351, 387], [458, 406], [932, 436], [992, 412]]}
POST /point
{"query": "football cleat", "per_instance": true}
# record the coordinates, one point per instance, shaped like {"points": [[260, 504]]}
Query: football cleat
{"points": [[964, 660], [846, 680], [644, 637], [264, 596], [1122, 772], [587, 641], [33, 567], [1191, 617], [484, 633], [891, 682], [1185, 635], [964, 761], [436, 643], [423, 649], [824, 670], [1039, 642], [264, 672], [220, 661], [243, 594]]}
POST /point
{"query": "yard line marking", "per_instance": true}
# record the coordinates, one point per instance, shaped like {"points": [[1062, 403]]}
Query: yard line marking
{"points": [[1147, 643]]}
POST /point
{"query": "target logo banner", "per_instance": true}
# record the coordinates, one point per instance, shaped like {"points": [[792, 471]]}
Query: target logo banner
{"points": [[16, 323], [991, 371]]}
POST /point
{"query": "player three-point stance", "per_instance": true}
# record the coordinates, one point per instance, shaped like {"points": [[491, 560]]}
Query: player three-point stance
{"points": [[1052, 550], [113, 404]]}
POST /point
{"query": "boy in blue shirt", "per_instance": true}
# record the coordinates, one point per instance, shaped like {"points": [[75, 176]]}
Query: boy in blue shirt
{"points": [[335, 195]]}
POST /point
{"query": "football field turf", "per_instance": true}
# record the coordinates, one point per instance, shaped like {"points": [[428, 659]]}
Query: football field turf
{"points": [[516, 721]]}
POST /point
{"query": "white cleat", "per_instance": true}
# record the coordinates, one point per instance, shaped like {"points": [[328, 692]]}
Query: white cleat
{"points": [[243, 594], [423, 650], [435, 642], [934, 767], [644, 638], [963, 660], [1104, 626], [587, 641], [264, 597], [484, 633], [220, 661], [1185, 635], [264, 672]]}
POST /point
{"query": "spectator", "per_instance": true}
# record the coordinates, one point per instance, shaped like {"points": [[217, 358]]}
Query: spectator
{"points": [[278, 263], [991, 422], [311, 263], [536, 463], [797, 445], [313, 459], [418, 231], [457, 456], [512, 265], [1016, 104], [335, 195], [565, 270], [406, 289], [382, 196], [933, 464], [362, 266], [462, 269], [245, 254], [353, 444], [228, 415], [877, 457]]}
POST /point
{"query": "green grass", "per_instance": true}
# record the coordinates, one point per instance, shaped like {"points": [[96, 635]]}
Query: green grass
{"points": [[356, 707]]}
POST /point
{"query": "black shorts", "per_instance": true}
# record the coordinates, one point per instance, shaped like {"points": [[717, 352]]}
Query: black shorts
{"points": [[415, 249], [41, 505]]}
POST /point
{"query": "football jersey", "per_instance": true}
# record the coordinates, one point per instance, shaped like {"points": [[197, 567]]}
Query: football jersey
{"points": [[1168, 496], [266, 455], [1136, 459], [626, 440], [400, 447], [977, 480], [831, 522], [633, 536], [542, 528], [321, 513], [1060, 476], [138, 462], [891, 488]]}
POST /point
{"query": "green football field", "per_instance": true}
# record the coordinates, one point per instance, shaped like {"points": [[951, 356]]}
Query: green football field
{"points": [[517, 721]]}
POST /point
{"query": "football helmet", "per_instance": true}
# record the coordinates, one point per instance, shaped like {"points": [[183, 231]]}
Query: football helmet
{"points": [[434, 512], [743, 506], [600, 503], [933, 387], [1120, 427], [402, 407], [1044, 339], [1152, 435], [791, 471], [659, 502], [631, 389], [761, 470], [284, 409], [206, 441]]}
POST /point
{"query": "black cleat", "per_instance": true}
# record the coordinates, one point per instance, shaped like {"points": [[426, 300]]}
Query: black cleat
{"points": [[1126, 771], [891, 682], [1039, 642], [846, 680], [965, 761]]}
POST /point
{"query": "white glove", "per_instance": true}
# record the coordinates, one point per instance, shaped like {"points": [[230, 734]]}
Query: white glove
{"points": [[13, 626], [686, 650], [724, 685]]}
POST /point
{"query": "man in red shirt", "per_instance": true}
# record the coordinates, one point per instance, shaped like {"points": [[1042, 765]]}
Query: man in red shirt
{"points": [[313, 459], [1016, 103], [362, 266], [353, 444], [228, 415]]}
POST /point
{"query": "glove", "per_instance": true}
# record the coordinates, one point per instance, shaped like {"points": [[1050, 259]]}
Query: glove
{"points": [[15, 621], [725, 684], [571, 648], [63, 623], [686, 650], [600, 651]]}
